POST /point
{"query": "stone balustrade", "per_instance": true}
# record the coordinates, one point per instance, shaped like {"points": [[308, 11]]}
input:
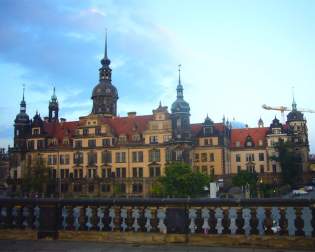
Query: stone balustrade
{"points": [[263, 217]]}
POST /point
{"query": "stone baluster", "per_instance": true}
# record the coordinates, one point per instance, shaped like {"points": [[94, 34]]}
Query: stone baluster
{"points": [[192, 216], [148, 217], [260, 214], [64, 215], [15, 215], [100, 215], [76, 211], [36, 213], [290, 216], [205, 215], [89, 215], [219, 217], [135, 215], [161, 215], [112, 216], [246, 214], [233, 217], [123, 216], [25, 214], [275, 216], [307, 221], [3, 216]]}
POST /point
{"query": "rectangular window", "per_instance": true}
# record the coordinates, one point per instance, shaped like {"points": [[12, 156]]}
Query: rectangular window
{"points": [[250, 157], [120, 172], [206, 141], [137, 172], [105, 188], [262, 169], [261, 157], [98, 131], [153, 139], [106, 173], [78, 144], [137, 156], [167, 138], [106, 157], [211, 157], [154, 156], [155, 171], [120, 157], [197, 157], [40, 144], [106, 142], [238, 158], [92, 173], [204, 169], [91, 143], [137, 188], [78, 158], [85, 132], [203, 157], [52, 159]]}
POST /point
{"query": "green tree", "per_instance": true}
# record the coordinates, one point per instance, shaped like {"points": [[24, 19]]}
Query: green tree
{"points": [[35, 176], [290, 162], [246, 178], [181, 181]]}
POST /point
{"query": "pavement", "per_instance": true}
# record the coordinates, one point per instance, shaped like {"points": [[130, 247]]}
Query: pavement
{"points": [[75, 246]]}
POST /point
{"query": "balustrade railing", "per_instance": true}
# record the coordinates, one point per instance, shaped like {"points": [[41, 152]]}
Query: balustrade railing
{"points": [[277, 217]]}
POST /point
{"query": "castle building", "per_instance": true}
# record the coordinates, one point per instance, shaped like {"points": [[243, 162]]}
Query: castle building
{"points": [[103, 154]]}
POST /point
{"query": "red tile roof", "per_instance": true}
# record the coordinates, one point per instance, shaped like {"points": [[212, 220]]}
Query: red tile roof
{"points": [[128, 125], [60, 130], [241, 135]]}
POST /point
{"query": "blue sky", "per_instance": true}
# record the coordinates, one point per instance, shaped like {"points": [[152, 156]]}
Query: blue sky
{"points": [[235, 56]]}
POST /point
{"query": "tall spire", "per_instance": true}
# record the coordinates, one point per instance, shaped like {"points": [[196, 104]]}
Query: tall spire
{"points": [[293, 102], [54, 97], [105, 61], [23, 103], [179, 86], [105, 55]]}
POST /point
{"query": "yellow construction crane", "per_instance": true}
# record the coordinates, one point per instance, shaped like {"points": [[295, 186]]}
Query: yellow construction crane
{"points": [[283, 108]]}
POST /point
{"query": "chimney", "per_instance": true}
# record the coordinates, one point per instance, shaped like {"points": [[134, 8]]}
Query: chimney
{"points": [[132, 114], [46, 118]]}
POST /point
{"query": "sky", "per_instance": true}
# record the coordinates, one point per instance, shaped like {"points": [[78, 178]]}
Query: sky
{"points": [[236, 55]]}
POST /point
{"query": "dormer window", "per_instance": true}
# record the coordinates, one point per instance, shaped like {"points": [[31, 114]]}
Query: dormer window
{"points": [[122, 139], [249, 142], [153, 139], [136, 138], [36, 131]]}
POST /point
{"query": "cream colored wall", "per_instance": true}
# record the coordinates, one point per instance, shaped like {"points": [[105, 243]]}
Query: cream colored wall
{"points": [[217, 163], [243, 153]]}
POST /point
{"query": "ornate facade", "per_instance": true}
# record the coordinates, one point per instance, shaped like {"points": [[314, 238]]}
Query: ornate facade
{"points": [[103, 154]]}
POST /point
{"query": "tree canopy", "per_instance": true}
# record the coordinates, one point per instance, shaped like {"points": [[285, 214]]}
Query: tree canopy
{"points": [[181, 181], [244, 178], [35, 176], [290, 162]]}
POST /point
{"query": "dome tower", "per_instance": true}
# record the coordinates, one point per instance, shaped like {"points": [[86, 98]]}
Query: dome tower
{"points": [[105, 94]]}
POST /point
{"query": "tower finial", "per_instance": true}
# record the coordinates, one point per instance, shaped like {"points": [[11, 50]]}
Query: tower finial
{"points": [[179, 81], [293, 99], [23, 91], [105, 54]]}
